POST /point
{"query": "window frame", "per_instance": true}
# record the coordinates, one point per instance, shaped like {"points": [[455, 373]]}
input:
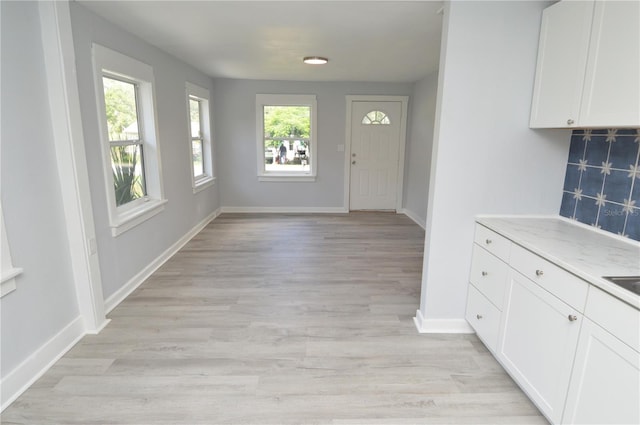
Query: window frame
{"points": [[207, 179], [112, 64], [8, 272], [263, 100]]}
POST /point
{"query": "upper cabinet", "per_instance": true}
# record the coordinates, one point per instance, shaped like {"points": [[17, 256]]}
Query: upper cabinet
{"points": [[588, 70]]}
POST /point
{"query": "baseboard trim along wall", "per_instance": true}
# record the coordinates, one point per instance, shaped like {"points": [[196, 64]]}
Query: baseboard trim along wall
{"points": [[441, 326], [133, 283], [286, 210], [32, 368], [415, 217]]}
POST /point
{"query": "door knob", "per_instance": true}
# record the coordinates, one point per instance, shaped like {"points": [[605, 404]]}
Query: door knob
{"points": [[572, 318]]}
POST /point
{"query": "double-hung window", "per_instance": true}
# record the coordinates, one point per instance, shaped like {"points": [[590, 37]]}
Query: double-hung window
{"points": [[130, 148], [200, 146], [287, 137]]}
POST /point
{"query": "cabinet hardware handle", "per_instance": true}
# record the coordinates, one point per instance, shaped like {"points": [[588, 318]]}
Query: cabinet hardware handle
{"points": [[570, 121], [353, 162], [572, 318], [484, 273], [488, 241], [539, 272], [478, 316], [353, 155]]}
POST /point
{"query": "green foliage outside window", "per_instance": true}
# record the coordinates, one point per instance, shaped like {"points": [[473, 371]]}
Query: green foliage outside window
{"points": [[286, 121]]}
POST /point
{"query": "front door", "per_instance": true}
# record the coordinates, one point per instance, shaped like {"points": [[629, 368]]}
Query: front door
{"points": [[375, 142]]}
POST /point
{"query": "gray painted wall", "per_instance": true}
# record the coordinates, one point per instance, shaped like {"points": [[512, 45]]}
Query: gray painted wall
{"points": [[124, 256], [419, 146], [45, 299], [486, 159], [236, 142]]}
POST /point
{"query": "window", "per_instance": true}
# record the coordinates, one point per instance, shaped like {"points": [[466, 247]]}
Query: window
{"points": [[8, 272], [200, 146], [286, 134], [131, 154], [376, 117]]}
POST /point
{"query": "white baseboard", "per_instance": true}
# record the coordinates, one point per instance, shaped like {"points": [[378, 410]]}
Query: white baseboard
{"points": [[34, 366], [133, 283], [413, 216], [441, 326], [286, 210]]}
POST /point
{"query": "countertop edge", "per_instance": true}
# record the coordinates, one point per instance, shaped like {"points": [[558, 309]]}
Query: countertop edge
{"points": [[597, 281]]}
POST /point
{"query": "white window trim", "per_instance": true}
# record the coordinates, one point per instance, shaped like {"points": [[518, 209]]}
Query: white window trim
{"points": [[208, 179], [109, 62], [286, 100], [8, 272]]}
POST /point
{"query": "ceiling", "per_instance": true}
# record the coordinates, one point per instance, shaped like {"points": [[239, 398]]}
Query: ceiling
{"points": [[390, 41]]}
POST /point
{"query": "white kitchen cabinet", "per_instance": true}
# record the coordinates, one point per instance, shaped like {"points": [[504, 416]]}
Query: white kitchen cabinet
{"points": [[588, 66], [611, 95], [605, 383], [539, 335], [562, 58], [484, 317]]}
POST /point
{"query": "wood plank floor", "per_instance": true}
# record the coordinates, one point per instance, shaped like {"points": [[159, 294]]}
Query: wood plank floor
{"points": [[279, 319]]}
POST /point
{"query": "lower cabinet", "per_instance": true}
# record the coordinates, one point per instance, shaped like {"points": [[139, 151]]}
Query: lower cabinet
{"points": [[537, 344], [605, 383], [573, 348]]}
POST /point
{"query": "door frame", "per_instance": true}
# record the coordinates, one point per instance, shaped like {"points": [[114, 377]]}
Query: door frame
{"points": [[404, 100]]}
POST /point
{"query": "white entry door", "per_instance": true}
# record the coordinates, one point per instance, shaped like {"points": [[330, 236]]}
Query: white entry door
{"points": [[375, 142]]}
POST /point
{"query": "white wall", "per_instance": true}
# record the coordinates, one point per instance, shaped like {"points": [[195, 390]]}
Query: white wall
{"points": [[419, 146], [44, 301], [122, 257], [236, 142], [486, 159]]}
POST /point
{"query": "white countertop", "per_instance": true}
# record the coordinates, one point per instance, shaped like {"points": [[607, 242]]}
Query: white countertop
{"points": [[579, 249]]}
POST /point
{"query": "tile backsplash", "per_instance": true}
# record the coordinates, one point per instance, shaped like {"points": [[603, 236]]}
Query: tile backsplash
{"points": [[602, 183]]}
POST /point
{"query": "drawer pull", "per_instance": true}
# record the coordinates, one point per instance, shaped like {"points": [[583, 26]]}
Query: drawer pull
{"points": [[484, 273], [478, 316], [572, 318], [488, 241], [539, 272]]}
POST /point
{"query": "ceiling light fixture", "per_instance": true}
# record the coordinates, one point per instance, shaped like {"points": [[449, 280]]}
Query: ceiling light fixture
{"points": [[315, 60]]}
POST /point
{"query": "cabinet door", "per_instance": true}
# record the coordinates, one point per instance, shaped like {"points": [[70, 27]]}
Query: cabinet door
{"points": [[562, 57], [605, 383], [538, 342], [611, 96]]}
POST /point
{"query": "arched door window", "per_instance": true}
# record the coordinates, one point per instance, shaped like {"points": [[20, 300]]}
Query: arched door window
{"points": [[376, 117]]}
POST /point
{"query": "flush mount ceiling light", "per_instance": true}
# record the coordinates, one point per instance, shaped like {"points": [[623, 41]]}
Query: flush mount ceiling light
{"points": [[315, 60]]}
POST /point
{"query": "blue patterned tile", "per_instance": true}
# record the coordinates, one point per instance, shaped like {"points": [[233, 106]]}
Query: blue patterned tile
{"points": [[597, 150], [632, 228], [587, 211], [635, 193], [612, 218], [576, 150], [568, 205], [624, 152], [628, 132], [617, 186], [591, 183], [610, 176], [572, 178]]}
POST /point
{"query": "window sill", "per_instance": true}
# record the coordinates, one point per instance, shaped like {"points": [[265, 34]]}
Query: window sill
{"points": [[8, 281], [130, 219], [204, 183], [286, 178]]}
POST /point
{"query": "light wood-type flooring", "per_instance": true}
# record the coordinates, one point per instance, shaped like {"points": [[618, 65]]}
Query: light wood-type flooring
{"points": [[279, 319]]}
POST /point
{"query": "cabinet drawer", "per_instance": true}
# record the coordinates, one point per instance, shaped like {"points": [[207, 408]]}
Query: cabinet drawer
{"points": [[489, 275], [484, 317], [569, 288], [492, 242], [617, 317]]}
